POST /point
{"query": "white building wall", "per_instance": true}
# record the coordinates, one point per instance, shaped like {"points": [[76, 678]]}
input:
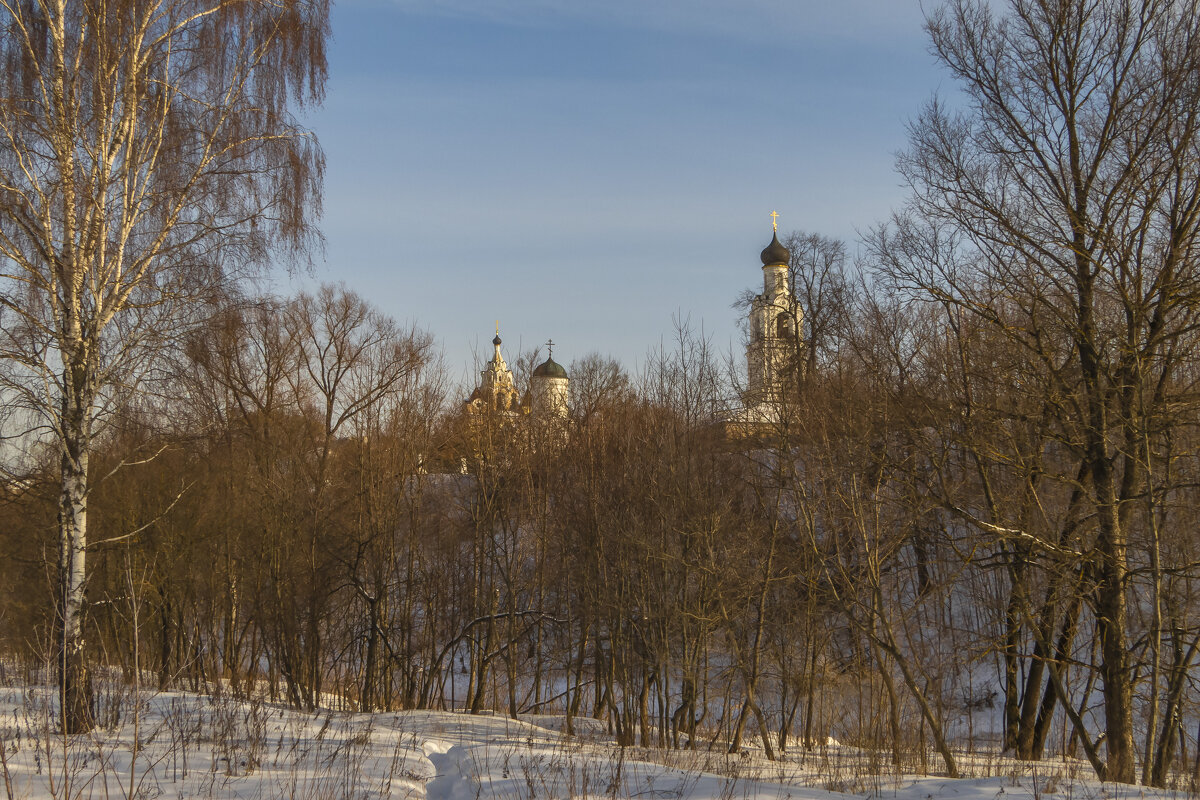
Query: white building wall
{"points": [[548, 396], [772, 339]]}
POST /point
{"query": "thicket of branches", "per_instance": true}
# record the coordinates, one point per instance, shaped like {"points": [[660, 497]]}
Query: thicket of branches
{"points": [[974, 504], [313, 515]]}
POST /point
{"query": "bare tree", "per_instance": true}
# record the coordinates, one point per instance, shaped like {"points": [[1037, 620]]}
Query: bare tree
{"points": [[1060, 207], [146, 153], [821, 286]]}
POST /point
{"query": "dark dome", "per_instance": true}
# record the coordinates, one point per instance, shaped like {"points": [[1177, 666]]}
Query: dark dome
{"points": [[550, 369], [496, 341], [775, 253]]}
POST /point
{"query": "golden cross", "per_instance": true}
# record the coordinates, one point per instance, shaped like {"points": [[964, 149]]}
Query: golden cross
{"points": [[775, 220], [497, 327]]}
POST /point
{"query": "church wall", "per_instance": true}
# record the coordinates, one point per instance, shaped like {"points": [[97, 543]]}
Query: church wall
{"points": [[549, 396]]}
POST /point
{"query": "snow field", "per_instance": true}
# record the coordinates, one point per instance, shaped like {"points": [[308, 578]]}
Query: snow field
{"points": [[179, 745]]}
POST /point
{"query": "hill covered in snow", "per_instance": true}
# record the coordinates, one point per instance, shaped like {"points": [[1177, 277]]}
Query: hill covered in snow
{"points": [[177, 745]]}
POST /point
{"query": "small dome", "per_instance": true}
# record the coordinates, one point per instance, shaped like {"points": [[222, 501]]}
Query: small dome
{"points": [[775, 253], [550, 369], [496, 341]]}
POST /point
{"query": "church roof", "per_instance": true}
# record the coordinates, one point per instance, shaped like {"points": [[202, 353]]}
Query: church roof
{"points": [[775, 253], [550, 369]]}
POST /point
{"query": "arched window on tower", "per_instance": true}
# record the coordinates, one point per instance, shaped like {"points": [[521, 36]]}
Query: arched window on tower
{"points": [[783, 325]]}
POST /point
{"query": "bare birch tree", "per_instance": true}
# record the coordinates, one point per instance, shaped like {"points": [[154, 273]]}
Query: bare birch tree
{"points": [[146, 154]]}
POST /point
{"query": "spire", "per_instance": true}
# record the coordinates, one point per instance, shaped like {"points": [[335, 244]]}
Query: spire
{"points": [[496, 365], [495, 382]]}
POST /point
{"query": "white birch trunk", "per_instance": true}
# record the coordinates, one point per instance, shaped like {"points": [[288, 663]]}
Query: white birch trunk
{"points": [[74, 679]]}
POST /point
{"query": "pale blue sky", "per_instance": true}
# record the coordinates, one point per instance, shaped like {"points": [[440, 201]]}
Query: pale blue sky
{"points": [[587, 170]]}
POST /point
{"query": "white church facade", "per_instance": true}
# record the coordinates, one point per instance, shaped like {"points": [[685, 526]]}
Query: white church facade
{"points": [[547, 396]]}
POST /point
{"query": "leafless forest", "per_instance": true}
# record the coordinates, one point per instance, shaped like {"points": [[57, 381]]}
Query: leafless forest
{"points": [[971, 522]]}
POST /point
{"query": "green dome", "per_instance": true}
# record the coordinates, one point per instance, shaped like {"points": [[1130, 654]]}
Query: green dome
{"points": [[550, 369]]}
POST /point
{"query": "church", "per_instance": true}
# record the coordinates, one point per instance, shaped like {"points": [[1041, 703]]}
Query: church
{"points": [[546, 398], [772, 357]]}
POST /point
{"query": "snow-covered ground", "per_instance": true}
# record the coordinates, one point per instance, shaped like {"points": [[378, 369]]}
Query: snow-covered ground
{"points": [[174, 745]]}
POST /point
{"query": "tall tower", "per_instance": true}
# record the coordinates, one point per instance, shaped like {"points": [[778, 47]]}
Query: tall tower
{"points": [[774, 325]]}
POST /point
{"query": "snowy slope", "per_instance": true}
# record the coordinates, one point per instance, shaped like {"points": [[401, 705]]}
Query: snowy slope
{"points": [[188, 746]]}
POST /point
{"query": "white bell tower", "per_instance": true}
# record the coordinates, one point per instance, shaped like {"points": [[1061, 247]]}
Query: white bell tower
{"points": [[774, 327]]}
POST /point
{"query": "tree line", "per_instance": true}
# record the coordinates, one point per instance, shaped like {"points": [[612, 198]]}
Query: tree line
{"points": [[899, 556], [973, 501]]}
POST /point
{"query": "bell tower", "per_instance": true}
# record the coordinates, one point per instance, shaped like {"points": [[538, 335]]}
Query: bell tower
{"points": [[774, 327]]}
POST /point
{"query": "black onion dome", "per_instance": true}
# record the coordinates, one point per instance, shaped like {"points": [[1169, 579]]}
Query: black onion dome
{"points": [[496, 341], [775, 253], [550, 369]]}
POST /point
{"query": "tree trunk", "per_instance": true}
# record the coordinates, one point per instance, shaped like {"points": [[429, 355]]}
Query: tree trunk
{"points": [[889, 686], [1062, 652], [1012, 639], [1111, 621], [1172, 716], [371, 665], [74, 679]]}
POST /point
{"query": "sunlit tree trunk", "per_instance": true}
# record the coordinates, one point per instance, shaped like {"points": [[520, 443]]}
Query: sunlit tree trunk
{"points": [[75, 688]]}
